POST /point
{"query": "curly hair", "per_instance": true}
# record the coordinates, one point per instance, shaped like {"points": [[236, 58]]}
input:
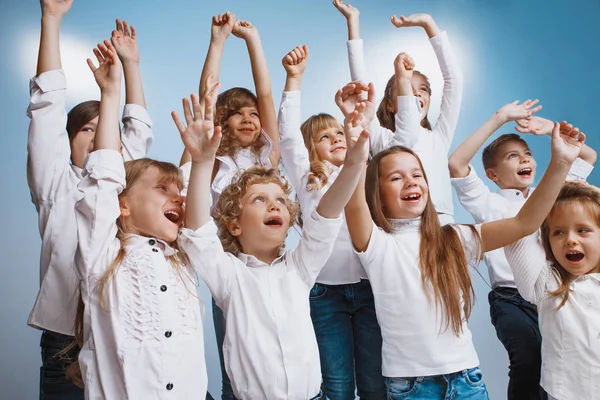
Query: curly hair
{"points": [[319, 171], [385, 117], [229, 102], [229, 207]]}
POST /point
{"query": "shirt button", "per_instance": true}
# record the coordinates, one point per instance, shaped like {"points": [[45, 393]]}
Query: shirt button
{"points": [[163, 288], [169, 386], [168, 334], [151, 242], [155, 250]]}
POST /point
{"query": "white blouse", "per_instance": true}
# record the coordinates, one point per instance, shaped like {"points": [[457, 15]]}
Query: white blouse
{"points": [[144, 338], [53, 184]]}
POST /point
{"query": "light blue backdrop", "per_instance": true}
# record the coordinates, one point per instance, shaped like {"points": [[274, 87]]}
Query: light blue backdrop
{"points": [[508, 50]]}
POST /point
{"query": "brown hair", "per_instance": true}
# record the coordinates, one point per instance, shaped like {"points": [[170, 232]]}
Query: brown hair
{"points": [[229, 102], [134, 170], [319, 171], [385, 117], [572, 192], [80, 115], [442, 257], [229, 207], [490, 152]]}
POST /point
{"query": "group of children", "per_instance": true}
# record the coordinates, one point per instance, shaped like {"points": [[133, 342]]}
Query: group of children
{"points": [[375, 298]]}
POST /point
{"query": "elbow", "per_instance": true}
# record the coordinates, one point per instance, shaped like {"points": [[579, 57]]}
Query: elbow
{"points": [[457, 168]]}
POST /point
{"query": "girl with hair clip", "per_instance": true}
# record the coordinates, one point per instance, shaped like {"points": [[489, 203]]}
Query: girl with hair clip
{"points": [[342, 307], [140, 322], [270, 348], [406, 101], [58, 144], [419, 269], [562, 277]]}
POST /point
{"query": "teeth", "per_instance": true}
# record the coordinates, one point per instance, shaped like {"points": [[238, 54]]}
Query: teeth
{"points": [[412, 197], [172, 215]]}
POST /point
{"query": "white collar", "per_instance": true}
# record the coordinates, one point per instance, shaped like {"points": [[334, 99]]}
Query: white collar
{"points": [[133, 241]]}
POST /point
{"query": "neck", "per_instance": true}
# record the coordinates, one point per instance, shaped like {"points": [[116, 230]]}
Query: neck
{"points": [[266, 256]]}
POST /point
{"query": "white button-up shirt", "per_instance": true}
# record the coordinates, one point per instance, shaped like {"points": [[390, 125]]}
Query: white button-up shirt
{"points": [[571, 334], [486, 206], [343, 266], [270, 349], [53, 184], [144, 338], [414, 340], [433, 146]]}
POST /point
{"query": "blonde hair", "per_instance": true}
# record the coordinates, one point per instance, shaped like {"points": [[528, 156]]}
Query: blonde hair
{"points": [[443, 262], [229, 207], [319, 171], [228, 102], [571, 193], [386, 118], [134, 170]]}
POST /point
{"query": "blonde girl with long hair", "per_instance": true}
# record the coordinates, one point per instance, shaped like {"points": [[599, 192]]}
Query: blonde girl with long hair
{"points": [[419, 269]]}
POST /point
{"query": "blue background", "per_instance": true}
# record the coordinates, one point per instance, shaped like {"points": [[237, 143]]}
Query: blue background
{"points": [[508, 50]]}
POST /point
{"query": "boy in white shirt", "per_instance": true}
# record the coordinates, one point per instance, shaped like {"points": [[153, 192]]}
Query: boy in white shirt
{"points": [[509, 163]]}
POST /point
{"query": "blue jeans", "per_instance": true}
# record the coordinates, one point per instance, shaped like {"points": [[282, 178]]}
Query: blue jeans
{"points": [[219, 321], [349, 340], [54, 384], [516, 323], [463, 385]]}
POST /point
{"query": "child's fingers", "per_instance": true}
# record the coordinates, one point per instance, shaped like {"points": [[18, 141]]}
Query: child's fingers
{"points": [[371, 93], [338, 98], [178, 123], [582, 137], [209, 109], [197, 108], [98, 55], [133, 34], [91, 64], [536, 109], [126, 29], [187, 111], [215, 140], [119, 25]]}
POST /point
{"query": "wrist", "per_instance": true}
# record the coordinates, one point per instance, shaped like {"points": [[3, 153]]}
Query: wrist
{"points": [[111, 91], [130, 64], [499, 119], [203, 161], [217, 41]]}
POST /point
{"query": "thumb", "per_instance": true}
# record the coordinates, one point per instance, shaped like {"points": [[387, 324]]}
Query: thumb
{"points": [[215, 140], [556, 132]]}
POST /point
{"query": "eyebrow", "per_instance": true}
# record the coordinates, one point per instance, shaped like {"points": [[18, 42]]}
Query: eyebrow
{"points": [[397, 171]]}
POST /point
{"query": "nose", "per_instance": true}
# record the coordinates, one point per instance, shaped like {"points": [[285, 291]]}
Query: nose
{"points": [[274, 206], [337, 139], [410, 182], [571, 239]]}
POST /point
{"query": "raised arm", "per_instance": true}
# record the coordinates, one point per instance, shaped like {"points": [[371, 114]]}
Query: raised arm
{"points": [[356, 58], [221, 27], [137, 133], [459, 161], [262, 84], [53, 12], [565, 149], [201, 138]]}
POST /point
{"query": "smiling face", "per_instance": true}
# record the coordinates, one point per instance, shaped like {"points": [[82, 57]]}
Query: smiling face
{"points": [[152, 206], [514, 166], [330, 145], [574, 237], [244, 124], [422, 91], [402, 186]]}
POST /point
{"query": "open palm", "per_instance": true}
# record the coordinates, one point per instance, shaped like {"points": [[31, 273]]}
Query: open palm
{"points": [[124, 40]]}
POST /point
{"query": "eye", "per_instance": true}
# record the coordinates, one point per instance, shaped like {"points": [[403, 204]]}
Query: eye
{"points": [[340, 133], [236, 113], [512, 155], [528, 153], [161, 187], [395, 178], [557, 232], [87, 129], [259, 199], [254, 114], [583, 230], [282, 201], [324, 137], [417, 175]]}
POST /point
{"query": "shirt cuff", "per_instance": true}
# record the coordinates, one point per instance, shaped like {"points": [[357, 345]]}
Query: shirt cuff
{"points": [[208, 230], [463, 181], [106, 164], [135, 111], [439, 38], [580, 170], [319, 227], [49, 81]]}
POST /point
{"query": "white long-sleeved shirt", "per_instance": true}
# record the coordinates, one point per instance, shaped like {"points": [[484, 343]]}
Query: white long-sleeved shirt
{"points": [[343, 266], [571, 334], [414, 340], [143, 339], [270, 348], [53, 184], [433, 146], [486, 206]]}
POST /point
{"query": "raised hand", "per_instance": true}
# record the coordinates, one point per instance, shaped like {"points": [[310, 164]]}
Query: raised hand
{"points": [[566, 142], [222, 26], [357, 138], [244, 30], [515, 111], [201, 138], [351, 95], [109, 71], [124, 40], [211, 91], [55, 8], [347, 10], [422, 20], [536, 125], [404, 66], [295, 61]]}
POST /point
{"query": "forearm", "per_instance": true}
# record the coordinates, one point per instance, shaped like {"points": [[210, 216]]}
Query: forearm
{"points": [[197, 210], [353, 27], [260, 70], [335, 199], [431, 28], [212, 64], [49, 50], [403, 86], [588, 154], [458, 162], [358, 216], [107, 132], [292, 83], [134, 89]]}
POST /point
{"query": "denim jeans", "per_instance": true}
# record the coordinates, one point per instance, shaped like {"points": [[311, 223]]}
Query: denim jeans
{"points": [[349, 340], [516, 323], [219, 321], [464, 385], [54, 384]]}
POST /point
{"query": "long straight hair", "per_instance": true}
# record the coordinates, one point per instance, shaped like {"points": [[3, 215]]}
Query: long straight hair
{"points": [[385, 117], [442, 258], [319, 171]]}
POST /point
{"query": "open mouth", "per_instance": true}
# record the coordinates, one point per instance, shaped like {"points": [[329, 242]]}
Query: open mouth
{"points": [[526, 172], [275, 221], [337, 149], [173, 215], [246, 130], [412, 197], [574, 256]]}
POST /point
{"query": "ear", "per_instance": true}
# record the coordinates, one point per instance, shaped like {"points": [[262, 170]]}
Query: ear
{"points": [[125, 210], [491, 174], [234, 228]]}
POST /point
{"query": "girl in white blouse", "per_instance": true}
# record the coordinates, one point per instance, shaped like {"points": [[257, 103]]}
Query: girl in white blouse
{"points": [[564, 282], [419, 269], [140, 326]]}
